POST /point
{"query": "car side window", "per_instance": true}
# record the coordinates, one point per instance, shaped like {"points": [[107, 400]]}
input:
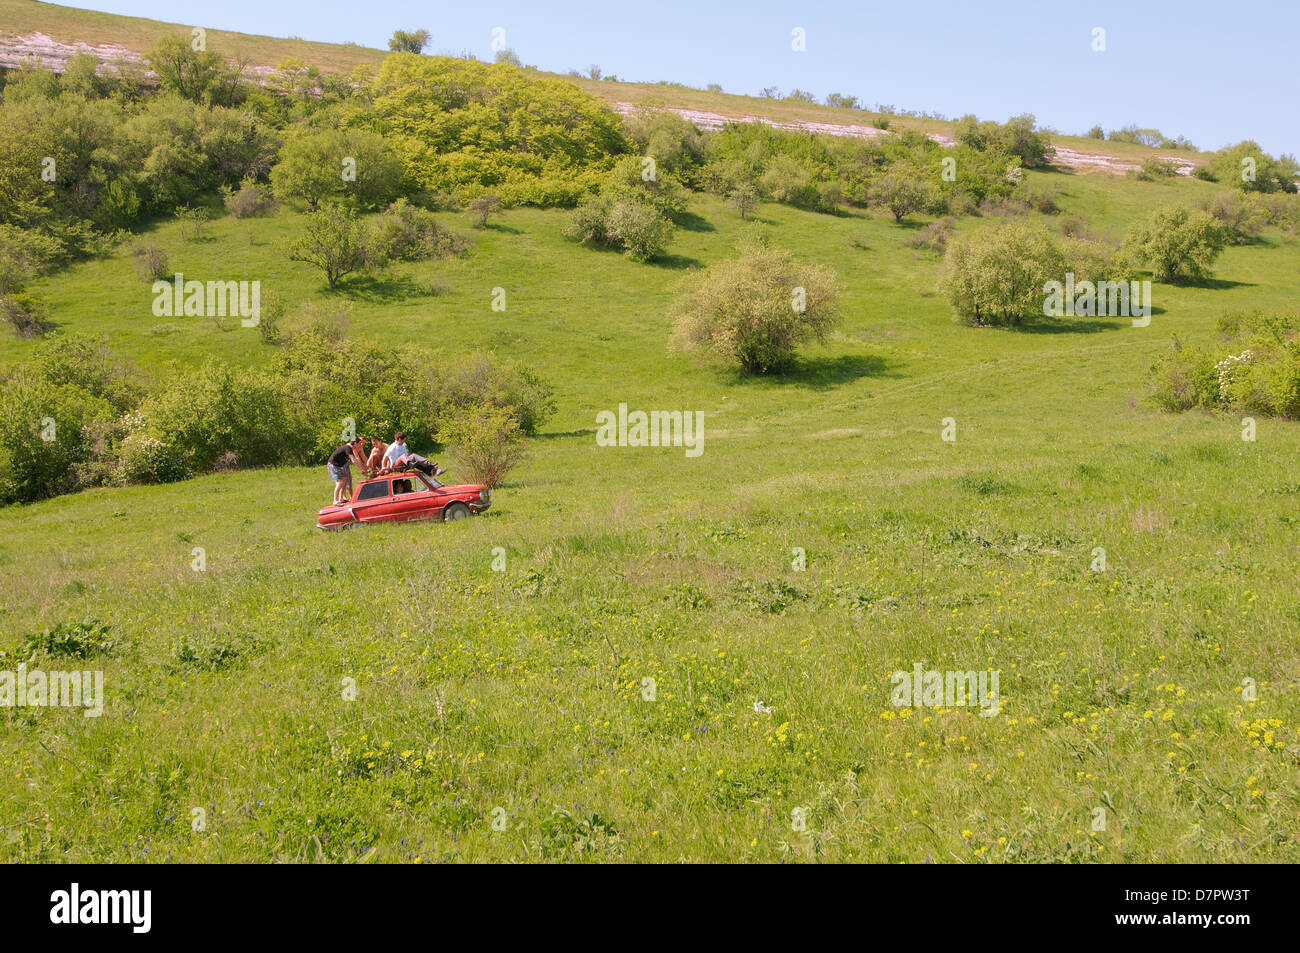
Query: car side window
{"points": [[373, 491], [401, 486]]}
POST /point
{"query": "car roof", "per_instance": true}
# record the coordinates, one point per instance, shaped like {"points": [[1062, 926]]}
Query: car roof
{"points": [[402, 475]]}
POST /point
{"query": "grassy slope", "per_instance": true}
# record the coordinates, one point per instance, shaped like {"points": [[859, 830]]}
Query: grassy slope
{"points": [[521, 689], [68, 24]]}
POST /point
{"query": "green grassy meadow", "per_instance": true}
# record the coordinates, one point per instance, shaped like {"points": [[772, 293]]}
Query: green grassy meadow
{"points": [[503, 715]]}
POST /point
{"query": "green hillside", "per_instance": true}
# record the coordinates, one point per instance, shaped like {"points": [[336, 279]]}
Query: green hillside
{"points": [[522, 689], [69, 25]]}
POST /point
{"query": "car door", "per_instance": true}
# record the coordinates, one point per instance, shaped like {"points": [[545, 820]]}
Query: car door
{"points": [[374, 502], [411, 498]]}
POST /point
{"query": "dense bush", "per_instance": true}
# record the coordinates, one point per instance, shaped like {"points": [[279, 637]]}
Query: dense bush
{"points": [[788, 181], [71, 418], [479, 380], [639, 229], [1019, 136], [24, 255], [1176, 244], [465, 126], [405, 232], [143, 458], [1280, 210], [339, 164], [1184, 377], [484, 444], [1253, 368], [58, 410], [1144, 137], [996, 275], [755, 310], [904, 190], [183, 150], [1155, 170], [200, 415], [675, 144], [1247, 167], [904, 173], [384, 389], [634, 178], [988, 174], [1242, 215], [934, 236], [796, 168], [251, 200]]}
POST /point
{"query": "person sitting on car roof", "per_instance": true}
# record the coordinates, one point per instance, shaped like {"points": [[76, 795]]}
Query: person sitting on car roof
{"points": [[376, 459], [424, 465], [395, 450]]}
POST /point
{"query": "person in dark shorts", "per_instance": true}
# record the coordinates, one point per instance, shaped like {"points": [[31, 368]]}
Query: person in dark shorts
{"points": [[339, 467]]}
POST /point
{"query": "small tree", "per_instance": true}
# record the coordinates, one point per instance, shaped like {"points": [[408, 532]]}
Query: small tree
{"points": [[789, 182], [1248, 167], [485, 442], [413, 41], [755, 310], [332, 243], [903, 191], [509, 58], [151, 262], [1177, 244], [181, 69], [481, 207], [628, 222], [193, 222], [641, 230], [996, 276], [351, 164], [744, 199]]}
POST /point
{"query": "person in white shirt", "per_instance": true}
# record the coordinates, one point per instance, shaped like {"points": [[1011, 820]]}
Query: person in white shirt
{"points": [[396, 450]]}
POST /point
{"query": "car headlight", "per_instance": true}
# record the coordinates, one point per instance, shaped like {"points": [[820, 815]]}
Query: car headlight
{"points": [[485, 494]]}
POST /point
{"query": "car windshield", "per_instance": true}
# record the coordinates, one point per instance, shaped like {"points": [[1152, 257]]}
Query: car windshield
{"points": [[429, 481]]}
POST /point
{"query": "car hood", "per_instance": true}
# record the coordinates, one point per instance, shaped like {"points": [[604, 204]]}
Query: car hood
{"points": [[462, 488]]}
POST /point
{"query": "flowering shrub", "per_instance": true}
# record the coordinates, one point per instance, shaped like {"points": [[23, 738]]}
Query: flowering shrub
{"points": [[1263, 377]]}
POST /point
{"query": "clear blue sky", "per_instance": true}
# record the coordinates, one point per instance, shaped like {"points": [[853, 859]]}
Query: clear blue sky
{"points": [[1216, 72]]}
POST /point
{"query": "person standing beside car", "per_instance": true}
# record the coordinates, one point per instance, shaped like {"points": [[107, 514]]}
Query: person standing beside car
{"points": [[339, 467]]}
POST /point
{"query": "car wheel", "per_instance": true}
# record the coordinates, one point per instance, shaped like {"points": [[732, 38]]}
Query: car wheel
{"points": [[455, 511]]}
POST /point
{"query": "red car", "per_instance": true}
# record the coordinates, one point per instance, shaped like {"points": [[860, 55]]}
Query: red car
{"points": [[402, 496]]}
